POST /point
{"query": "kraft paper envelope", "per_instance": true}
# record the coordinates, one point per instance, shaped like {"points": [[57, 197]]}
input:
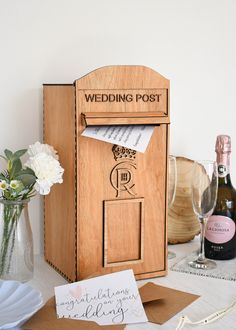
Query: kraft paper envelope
{"points": [[160, 304], [45, 319]]}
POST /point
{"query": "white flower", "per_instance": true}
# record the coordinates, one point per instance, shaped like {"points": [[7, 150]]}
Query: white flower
{"points": [[38, 147], [47, 170], [14, 184], [3, 185]]}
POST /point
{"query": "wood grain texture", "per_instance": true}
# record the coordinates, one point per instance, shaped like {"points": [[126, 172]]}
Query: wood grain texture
{"points": [[90, 169], [123, 77], [96, 161], [123, 231], [183, 224], [60, 204], [135, 115], [130, 118], [130, 100], [150, 177]]}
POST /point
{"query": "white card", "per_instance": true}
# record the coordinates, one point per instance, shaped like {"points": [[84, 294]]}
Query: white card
{"points": [[134, 137], [106, 300]]}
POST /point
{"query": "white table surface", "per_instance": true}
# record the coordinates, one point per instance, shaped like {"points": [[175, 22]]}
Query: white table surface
{"points": [[215, 293]]}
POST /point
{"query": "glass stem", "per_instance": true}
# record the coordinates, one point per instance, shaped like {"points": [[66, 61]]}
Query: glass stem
{"points": [[201, 255]]}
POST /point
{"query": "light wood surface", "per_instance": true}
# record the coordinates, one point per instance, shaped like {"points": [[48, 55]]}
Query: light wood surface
{"points": [[183, 224], [123, 232], [149, 179], [95, 174], [126, 100], [60, 205], [123, 77], [127, 118], [122, 114]]}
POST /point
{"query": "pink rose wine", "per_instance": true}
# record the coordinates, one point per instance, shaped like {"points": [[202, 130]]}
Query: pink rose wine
{"points": [[220, 238]]}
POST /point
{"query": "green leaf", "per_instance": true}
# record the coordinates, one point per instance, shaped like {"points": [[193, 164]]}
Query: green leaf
{"points": [[27, 170], [16, 168], [19, 153], [8, 153], [26, 179]]}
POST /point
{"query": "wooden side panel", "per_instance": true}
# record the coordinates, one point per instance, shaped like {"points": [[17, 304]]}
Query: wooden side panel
{"points": [[60, 204]]}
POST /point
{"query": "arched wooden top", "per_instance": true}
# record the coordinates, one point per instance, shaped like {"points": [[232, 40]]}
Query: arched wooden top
{"points": [[122, 77]]}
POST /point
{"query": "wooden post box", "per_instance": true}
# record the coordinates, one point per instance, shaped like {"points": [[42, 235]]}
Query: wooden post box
{"points": [[110, 212]]}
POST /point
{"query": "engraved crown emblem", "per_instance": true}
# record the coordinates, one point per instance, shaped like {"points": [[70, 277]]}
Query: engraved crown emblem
{"points": [[123, 153]]}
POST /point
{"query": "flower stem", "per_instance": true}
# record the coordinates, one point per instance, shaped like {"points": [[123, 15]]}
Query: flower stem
{"points": [[11, 215]]}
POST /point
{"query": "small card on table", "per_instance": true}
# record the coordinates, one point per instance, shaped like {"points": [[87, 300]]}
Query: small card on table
{"points": [[106, 300]]}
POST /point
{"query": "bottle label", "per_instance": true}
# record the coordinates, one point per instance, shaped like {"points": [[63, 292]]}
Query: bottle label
{"points": [[219, 229], [223, 170]]}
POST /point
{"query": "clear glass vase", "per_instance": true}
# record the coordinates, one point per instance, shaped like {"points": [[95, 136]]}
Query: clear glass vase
{"points": [[16, 241]]}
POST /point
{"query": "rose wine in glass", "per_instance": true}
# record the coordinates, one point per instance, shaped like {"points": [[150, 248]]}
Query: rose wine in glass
{"points": [[204, 193]]}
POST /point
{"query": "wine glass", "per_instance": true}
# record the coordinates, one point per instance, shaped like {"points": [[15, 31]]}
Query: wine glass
{"points": [[204, 193], [172, 180]]}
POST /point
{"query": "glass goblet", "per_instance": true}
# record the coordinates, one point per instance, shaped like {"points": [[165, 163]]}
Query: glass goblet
{"points": [[204, 193], [172, 180]]}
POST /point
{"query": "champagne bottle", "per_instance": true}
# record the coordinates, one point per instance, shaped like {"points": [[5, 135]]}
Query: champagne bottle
{"points": [[220, 237]]}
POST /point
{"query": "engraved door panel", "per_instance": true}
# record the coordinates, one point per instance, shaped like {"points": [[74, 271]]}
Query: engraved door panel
{"points": [[101, 178], [123, 232]]}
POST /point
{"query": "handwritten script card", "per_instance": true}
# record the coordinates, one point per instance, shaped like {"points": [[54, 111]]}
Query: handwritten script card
{"points": [[134, 137], [106, 300]]}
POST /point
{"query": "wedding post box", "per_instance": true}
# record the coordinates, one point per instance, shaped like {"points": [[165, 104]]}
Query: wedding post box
{"points": [[110, 212]]}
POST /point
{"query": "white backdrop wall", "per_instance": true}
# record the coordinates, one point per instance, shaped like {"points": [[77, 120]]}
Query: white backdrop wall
{"points": [[191, 42]]}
